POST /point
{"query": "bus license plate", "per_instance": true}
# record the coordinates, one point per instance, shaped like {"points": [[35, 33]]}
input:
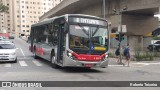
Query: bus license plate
{"points": [[88, 65]]}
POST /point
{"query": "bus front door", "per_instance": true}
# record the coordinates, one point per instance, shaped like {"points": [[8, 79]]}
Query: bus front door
{"points": [[60, 46]]}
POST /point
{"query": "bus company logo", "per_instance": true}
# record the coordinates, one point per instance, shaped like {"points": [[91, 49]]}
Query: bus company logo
{"points": [[6, 84]]}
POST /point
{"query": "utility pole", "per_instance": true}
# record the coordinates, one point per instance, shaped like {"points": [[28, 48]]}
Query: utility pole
{"points": [[120, 32], [104, 8]]}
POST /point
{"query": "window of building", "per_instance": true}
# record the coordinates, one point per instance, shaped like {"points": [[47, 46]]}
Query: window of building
{"points": [[26, 2], [23, 25], [23, 16], [22, 1], [18, 25], [23, 30], [27, 30], [27, 26]]}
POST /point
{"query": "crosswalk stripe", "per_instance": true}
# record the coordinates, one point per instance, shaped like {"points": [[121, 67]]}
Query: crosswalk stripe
{"points": [[7, 65], [37, 63], [23, 63]]}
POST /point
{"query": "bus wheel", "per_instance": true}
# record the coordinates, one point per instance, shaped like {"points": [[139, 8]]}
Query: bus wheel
{"points": [[34, 55], [53, 60]]}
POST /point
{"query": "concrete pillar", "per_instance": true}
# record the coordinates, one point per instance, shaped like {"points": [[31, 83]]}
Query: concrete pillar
{"points": [[135, 43]]}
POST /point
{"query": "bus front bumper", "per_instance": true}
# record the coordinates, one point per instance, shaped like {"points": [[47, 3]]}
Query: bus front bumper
{"points": [[91, 64]]}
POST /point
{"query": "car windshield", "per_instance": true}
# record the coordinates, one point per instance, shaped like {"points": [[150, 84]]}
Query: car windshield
{"points": [[7, 46], [88, 39], [158, 42]]}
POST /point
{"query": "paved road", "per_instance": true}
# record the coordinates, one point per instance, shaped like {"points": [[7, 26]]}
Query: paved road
{"points": [[29, 69]]}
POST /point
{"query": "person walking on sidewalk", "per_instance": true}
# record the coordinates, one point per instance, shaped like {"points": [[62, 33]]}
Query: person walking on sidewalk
{"points": [[117, 53], [127, 55]]}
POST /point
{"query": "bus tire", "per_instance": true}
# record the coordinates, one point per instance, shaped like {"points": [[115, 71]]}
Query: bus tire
{"points": [[53, 59], [34, 54]]}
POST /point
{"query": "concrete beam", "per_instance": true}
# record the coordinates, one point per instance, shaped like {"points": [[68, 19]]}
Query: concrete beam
{"points": [[139, 24]]}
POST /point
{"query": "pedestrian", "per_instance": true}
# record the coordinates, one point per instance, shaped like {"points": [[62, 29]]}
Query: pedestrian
{"points": [[117, 53], [127, 55]]}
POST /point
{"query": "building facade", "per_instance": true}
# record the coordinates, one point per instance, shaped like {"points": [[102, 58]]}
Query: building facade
{"points": [[22, 14], [56, 2]]}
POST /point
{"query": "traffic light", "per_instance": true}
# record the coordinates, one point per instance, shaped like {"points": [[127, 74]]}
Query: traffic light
{"points": [[117, 37], [120, 37]]}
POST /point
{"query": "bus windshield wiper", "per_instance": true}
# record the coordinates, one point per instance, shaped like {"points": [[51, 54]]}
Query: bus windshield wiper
{"points": [[83, 29], [97, 27]]}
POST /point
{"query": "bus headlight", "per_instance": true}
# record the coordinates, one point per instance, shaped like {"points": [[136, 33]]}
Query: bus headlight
{"points": [[106, 56], [69, 54]]}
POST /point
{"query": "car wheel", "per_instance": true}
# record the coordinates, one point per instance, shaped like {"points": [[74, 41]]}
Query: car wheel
{"points": [[15, 60], [158, 49]]}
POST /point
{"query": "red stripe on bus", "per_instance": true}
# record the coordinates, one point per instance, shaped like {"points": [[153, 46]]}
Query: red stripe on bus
{"points": [[85, 57]]}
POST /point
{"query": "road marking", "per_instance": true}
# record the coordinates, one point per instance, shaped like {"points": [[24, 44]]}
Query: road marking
{"points": [[22, 52], [7, 65], [37, 63], [23, 63], [115, 65], [147, 63]]}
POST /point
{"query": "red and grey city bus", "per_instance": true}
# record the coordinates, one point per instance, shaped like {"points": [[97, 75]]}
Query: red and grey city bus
{"points": [[71, 40]]}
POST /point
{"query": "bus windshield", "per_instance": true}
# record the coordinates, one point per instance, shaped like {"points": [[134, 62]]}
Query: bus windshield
{"points": [[88, 39]]}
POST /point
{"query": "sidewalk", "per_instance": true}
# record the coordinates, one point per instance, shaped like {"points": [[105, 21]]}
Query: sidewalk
{"points": [[112, 62]]}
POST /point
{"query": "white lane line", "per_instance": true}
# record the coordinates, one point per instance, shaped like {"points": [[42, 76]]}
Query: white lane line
{"points": [[7, 65], [23, 63], [115, 65], [22, 52], [147, 63], [37, 63]]}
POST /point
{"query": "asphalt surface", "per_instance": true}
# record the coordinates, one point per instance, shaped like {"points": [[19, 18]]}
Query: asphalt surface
{"points": [[29, 69]]}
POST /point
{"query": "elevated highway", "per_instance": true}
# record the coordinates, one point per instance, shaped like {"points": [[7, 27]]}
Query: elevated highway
{"points": [[137, 15]]}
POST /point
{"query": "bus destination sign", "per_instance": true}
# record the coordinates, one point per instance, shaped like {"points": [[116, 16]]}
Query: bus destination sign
{"points": [[88, 21]]}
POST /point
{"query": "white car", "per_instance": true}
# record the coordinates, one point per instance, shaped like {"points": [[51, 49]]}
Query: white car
{"points": [[7, 52]]}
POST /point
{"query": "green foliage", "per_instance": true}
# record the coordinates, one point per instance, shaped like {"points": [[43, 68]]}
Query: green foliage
{"points": [[156, 38], [3, 8], [146, 56]]}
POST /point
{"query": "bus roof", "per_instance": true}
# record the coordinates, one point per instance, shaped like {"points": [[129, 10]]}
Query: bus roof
{"points": [[66, 15]]}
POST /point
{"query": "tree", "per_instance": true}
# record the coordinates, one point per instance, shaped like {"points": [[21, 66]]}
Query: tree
{"points": [[3, 8]]}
